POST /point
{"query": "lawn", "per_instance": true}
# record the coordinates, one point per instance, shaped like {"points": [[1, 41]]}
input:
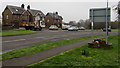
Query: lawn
{"points": [[15, 32], [96, 57], [41, 47]]}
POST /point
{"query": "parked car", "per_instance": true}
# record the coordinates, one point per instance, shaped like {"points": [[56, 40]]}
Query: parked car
{"points": [[65, 28], [73, 28], [53, 27], [109, 29], [81, 28]]}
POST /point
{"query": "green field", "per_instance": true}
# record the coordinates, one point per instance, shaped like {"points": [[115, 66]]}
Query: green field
{"points": [[41, 47], [96, 57], [15, 32]]}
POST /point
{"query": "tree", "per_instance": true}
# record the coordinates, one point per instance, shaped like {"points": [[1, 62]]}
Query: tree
{"points": [[72, 22], [87, 24], [117, 8], [81, 22], [84, 23]]}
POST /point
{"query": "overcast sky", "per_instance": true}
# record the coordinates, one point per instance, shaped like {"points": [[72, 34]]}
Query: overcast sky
{"points": [[72, 10]]}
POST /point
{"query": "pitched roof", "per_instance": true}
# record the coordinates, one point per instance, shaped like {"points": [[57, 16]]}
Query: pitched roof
{"points": [[35, 12], [15, 9], [54, 15]]}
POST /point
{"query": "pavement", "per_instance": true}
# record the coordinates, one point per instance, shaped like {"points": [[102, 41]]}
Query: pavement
{"points": [[30, 59], [10, 43]]}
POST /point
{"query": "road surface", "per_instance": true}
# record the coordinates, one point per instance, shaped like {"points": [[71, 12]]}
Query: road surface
{"points": [[10, 43]]}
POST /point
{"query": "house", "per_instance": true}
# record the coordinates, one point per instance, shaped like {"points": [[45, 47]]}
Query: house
{"points": [[53, 19], [14, 16], [36, 16]]}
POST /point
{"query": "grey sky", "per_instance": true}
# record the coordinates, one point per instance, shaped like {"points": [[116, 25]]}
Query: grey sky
{"points": [[68, 10]]}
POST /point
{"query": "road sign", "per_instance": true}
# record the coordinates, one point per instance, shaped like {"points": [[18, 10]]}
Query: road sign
{"points": [[99, 14]]}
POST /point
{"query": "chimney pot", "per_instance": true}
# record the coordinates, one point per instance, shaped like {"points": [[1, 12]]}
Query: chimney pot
{"points": [[22, 6], [28, 7]]}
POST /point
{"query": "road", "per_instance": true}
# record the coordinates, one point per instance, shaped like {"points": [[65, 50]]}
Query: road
{"points": [[10, 43]]}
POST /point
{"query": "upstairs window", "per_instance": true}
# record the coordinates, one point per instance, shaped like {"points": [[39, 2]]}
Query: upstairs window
{"points": [[16, 9]]}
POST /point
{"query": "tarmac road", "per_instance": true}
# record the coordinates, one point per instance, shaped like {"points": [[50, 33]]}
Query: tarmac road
{"points": [[10, 43]]}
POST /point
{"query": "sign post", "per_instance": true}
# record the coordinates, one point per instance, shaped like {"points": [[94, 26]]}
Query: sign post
{"points": [[107, 23], [92, 24], [101, 15]]}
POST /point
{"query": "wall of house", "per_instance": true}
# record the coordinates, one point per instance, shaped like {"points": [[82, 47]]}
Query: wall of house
{"points": [[31, 18], [7, 17], [24, 20]]}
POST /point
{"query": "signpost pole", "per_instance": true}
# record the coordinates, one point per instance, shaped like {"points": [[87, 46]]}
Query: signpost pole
{"points": [[92, 25], [107, 23]]}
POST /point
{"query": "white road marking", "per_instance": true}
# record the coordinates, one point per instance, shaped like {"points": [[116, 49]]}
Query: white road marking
{"points": [[54, 31], [39, 37], [56, 36], [15, 40]]}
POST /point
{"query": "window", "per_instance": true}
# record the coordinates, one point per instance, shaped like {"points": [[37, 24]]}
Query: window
{"points": [[43, 19], [16, 16], [6, 16], [16, 9], [24, 17], [48, 20]]}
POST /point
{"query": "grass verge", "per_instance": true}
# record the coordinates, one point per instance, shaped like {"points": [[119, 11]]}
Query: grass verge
{"points": [[38, 48], [97, 57], [15, 32]]}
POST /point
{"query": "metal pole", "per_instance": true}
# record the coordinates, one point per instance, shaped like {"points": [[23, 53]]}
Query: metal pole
{"points": [[92, 24], [107, 23]]}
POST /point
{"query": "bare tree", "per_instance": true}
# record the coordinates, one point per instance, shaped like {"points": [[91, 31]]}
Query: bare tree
{"points": [[72, 23], [84, 23], [117, 8], [87, 24], [81, 22]]}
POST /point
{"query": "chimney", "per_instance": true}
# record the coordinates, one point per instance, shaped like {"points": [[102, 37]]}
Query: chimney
{"points": [[28, 7], [56, 12], [22, 6]]}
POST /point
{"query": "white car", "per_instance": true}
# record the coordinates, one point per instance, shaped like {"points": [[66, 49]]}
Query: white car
{"points": [[53, 27], [81, 28], [65, 27], [73, 28]]}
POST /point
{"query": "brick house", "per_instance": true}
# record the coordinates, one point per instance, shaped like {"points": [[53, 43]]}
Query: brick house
{"points": [[14, 16], [36, 16], [53, 19]]}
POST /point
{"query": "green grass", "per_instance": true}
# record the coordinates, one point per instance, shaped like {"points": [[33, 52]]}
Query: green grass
{"points": [[15, 32], [97, 57], [41, 47], [116, 30]]}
